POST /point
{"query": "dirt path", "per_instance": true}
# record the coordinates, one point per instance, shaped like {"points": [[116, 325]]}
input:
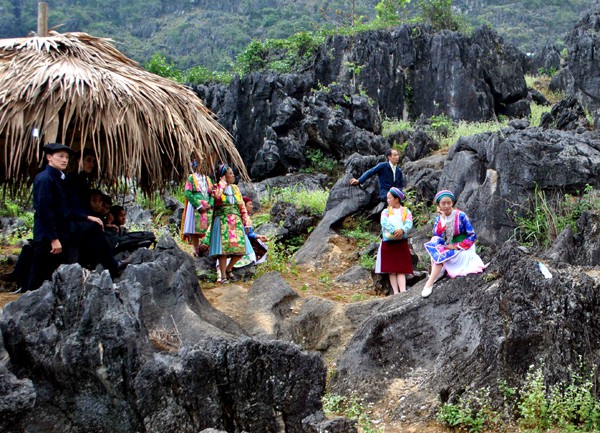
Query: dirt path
{"points": [[5, 298]]}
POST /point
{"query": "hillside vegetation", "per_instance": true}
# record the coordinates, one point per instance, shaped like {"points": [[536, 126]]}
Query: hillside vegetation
{"points": [[212, 34]]}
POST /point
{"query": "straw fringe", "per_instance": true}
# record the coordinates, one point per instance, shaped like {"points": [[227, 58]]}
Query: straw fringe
{"points": [[79, 90]]}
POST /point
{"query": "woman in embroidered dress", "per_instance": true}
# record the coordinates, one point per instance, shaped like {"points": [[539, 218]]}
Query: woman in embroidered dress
{"points": [[228, 237], [393, 257], [452, 247], [197, 210]]}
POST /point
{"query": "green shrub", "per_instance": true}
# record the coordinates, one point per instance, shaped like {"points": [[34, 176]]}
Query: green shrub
{"points": [[472, 412], [202, 75], [391, 12], [279, 259], [571, 406], [440, 15], [159, 65], [319, 163], [280, 55], [352, 407], [367, 261]]}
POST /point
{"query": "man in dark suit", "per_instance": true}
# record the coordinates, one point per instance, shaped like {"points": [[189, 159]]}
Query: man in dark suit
{"points": [[388, 173], [53, 221]]}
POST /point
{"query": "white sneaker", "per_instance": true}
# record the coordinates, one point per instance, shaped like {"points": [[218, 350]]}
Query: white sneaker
{"points": [[426, 291]]}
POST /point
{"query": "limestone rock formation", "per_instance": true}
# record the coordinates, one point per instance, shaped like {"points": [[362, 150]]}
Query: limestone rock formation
{"points": [[473, 331], [583, 43], [335, 107], [147, 353]]}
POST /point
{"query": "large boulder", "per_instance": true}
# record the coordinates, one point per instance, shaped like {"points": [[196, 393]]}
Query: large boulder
{"points": [[275, 119], [412, 71], [343, 200], [147, 353], [470, 333]]}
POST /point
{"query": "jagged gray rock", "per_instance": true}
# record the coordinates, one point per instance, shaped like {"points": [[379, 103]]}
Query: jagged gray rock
{"points": [[471, 332], [343, 200], [566, 115], [275, 119], [583, 70], [496, 174], [17, 396], [147, 353]]}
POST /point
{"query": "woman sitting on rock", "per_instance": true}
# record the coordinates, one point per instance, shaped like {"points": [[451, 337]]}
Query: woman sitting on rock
{"points": [[452, 247], [227, 236], [393, 257]]}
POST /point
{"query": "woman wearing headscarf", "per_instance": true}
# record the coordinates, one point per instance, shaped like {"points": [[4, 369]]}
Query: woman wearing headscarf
{"points": [[228, 237], [197, 209], [452, 247], [393, 257]]}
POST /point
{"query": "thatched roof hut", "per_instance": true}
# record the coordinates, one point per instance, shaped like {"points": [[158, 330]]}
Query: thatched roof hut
{"points": [[79, 90]]}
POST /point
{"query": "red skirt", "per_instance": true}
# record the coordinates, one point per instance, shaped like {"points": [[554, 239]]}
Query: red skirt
{"points": [[394, 258]]}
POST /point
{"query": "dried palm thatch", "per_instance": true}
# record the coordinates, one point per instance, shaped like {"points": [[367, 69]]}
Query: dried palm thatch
{"points": [[81, 91]]}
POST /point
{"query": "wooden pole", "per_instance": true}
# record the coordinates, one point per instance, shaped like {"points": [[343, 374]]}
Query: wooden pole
{"points": [[42, 25]]}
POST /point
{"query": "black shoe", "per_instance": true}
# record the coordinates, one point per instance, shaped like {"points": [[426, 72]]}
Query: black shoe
{"points": [[9, 277], [122, 264]]}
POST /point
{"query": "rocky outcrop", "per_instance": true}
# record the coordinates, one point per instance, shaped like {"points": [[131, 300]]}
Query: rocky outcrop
{"points": [[472, 332], [343, 200], [411, 70], [496, 174], [335, 107], [566, 115], [147, 353], [275, 119], [583, 71]]}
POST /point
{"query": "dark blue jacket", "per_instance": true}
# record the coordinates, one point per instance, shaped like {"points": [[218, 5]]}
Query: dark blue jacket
{"points": [[383, 170], [52, 212]]}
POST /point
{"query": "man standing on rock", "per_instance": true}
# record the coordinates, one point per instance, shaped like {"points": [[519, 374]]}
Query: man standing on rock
{"points": [[388, 173]]}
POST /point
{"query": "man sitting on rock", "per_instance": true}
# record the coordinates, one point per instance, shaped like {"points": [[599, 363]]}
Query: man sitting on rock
{"points": [[388, 173]]}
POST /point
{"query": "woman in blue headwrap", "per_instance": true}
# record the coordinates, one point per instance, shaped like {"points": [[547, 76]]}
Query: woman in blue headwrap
{"points": [[452, 247], [393, 257]]}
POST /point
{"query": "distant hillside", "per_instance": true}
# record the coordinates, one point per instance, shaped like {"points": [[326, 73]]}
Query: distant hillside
{"points": [[212, 33]]}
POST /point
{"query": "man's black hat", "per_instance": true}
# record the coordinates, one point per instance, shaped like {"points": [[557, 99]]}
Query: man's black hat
{"points": [[57, 147]]}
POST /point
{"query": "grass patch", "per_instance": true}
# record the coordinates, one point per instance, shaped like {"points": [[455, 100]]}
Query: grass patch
{"points": [[314, 201], [537, 111], [444, 130], [358, 228]]}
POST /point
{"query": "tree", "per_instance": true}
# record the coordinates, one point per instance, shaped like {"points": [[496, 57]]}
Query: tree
{"points": [[440, 15], [391, 12]]}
